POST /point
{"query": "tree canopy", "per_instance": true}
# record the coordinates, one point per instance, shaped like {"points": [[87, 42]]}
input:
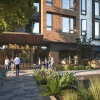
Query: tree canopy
{"points": [[84, 48], [15, 13]]}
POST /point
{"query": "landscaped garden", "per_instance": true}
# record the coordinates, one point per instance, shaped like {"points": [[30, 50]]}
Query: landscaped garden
{"points": [[66, 86]]}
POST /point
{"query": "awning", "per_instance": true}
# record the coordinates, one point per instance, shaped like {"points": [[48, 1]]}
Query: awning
{"points": [[20, 38]]}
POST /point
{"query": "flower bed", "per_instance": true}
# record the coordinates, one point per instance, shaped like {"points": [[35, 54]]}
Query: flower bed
{"points": [[66, 86]]}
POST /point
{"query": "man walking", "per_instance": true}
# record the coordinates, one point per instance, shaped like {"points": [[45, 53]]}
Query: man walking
{"points": [[17, 62]]}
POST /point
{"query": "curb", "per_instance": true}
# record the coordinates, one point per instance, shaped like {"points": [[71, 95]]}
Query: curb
{"points": [[52, 98]]}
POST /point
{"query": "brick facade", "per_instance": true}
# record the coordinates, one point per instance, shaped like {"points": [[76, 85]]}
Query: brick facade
{"points": [[56, 34]]}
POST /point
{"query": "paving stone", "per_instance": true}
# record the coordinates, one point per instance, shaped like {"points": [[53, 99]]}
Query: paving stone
{"points": [[23, 87]]}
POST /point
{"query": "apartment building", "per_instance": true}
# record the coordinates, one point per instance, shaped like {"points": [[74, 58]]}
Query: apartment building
{"points": [[62, 22], [58, 21], [90, 23]]}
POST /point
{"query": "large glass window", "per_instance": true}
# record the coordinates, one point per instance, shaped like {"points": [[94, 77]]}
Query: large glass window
{"points": [[97, 29], [49, 22], [83, 26], [68, 4], [49, 2], [67, 25], [97, 8], [83, 7]]}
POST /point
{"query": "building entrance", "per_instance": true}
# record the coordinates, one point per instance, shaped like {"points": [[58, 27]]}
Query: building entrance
{"points": [[27, 54]]}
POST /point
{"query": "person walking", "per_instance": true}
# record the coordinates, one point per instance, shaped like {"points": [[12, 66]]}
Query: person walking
{"points": [[17, 62], [46, 63], [39, 63], [12, 64], [6, 64], [51, 62]]}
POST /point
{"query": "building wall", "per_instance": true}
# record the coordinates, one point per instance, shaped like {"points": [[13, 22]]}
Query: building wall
{"points": [[88, 17], [1, 57], [56, 34]]}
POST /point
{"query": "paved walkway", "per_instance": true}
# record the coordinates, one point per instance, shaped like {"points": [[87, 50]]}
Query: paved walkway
{"points": [[83, 72], [23, 87]]}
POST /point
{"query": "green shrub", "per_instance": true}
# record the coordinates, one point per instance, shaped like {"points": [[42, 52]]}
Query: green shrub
{"points": [[80, 67], [42, 81], [40, 76], [70, 95], [52, 86], [66, 81], [92, 92], [65, 67], [95, 88], [56, 84], [83, 93], [59, 68]]}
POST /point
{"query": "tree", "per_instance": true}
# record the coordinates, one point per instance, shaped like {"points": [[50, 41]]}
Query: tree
{"points": [[84, 48], [15, 13]]}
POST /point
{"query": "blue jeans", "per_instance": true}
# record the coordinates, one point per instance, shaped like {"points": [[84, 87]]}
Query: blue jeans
{"points": [[6, 68], [17, 69]]}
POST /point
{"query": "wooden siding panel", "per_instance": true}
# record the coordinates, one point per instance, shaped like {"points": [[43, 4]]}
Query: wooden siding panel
{"points": [[21, 39]]}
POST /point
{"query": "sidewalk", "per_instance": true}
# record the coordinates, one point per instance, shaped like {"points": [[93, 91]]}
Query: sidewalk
{"points": [[23, 87]]}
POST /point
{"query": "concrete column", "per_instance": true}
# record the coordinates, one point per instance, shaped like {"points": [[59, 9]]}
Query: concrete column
{"points": [[69, 59], [31, 57]]}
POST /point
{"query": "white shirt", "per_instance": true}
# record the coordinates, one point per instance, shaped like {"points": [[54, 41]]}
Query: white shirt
{"points": [[52, 60], [39, 62], [6, 61], [46, 61], [17, 60]]}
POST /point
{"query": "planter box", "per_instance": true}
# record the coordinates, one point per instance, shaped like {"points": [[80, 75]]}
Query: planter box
{"points": [[52, 98]]}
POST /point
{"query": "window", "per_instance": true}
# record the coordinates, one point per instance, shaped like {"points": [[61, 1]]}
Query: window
{"points": [[83, 7], [37, 6], [97, 29], [49, 22], [97, 8], [68, 4], [67, 25], [49, 2], [36, 27], [83, 27]]}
